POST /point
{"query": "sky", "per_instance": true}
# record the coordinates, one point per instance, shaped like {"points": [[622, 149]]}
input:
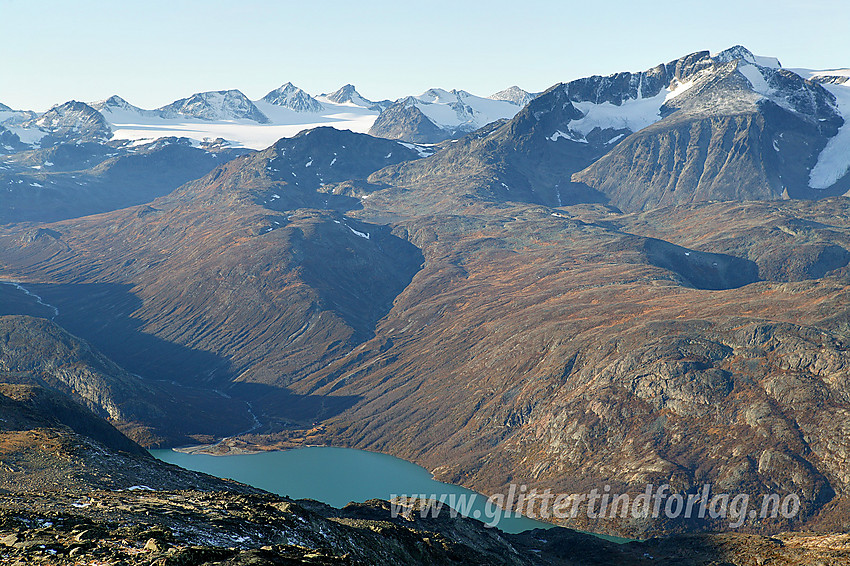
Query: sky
{"points": [[156, 51]]}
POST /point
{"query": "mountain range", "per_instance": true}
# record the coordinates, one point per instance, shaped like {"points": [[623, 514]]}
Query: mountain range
{"points": [[241, 122], [639, 278], [698, 128]]}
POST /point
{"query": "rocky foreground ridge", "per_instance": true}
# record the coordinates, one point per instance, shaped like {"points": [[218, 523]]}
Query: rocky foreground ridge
{"points": [[73, 490]]}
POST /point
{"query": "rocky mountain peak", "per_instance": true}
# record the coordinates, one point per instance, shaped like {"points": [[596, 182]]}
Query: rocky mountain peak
{"points": [[113, 102], [347, 93], [294, 98], [438, 114], [72, 120]]}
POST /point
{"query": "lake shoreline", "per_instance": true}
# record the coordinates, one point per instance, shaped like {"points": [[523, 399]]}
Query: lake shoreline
{"points": [[337, 476]]}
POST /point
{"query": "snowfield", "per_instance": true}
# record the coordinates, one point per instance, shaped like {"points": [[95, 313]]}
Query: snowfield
{"points": [[285, 123]]}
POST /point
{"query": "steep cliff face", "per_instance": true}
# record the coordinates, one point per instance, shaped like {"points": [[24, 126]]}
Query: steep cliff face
{"points": [[712, 159], [55, 451], [38, 350], [29, 407]]}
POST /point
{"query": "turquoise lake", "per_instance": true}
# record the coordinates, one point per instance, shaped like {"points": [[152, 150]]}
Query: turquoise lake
{"points": [[337, 476]]}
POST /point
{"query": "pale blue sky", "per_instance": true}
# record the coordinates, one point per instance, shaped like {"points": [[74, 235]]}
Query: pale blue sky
{"points": [[155, 51]]}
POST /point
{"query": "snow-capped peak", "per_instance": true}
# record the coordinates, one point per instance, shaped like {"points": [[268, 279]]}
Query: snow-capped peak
{"points": [[438, 96], [116, 108], [742, 53], [71, 109], [226, 105], [514, 95], [72, 121], [113, 102], [348, 94], [292, 97], [791, 91]]}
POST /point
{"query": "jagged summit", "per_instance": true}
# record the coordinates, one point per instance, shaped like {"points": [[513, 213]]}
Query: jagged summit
{"points": [[734, 78], [224, 105], [292, 97]]}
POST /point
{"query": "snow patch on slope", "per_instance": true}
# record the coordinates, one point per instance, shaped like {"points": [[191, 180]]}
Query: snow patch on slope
{"points": [[834, 161], [754, 75], [364, 235], [30, 136], [633, 114], [569, 136], [424, 150]]}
